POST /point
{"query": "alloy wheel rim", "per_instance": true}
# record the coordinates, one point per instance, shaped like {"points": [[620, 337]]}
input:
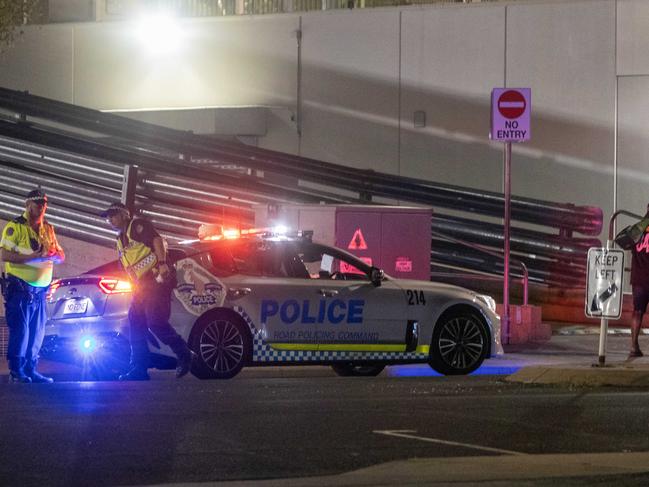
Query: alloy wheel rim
{"points": [[221, 346], [461, 343]]}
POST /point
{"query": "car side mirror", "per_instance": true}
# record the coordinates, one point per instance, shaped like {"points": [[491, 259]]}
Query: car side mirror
{"points": [[376, 276]]}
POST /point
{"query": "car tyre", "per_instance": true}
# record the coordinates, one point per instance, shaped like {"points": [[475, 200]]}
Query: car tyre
{"points": [[349, 369], [460, 342], [222, 344]]}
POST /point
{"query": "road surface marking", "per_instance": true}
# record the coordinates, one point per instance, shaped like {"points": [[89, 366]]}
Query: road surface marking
{"points": [[403, 434]]}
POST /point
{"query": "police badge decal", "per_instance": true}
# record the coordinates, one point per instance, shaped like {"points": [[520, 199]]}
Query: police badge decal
{"points": [[197, 289]]}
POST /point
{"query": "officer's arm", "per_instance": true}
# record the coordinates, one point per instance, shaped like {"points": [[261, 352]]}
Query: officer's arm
{"points": [[54, 251], [161, 254], [16, 258], [58, 257]]}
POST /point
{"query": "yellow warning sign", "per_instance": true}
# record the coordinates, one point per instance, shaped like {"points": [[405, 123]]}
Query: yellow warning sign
{"points": [[358, 241]]}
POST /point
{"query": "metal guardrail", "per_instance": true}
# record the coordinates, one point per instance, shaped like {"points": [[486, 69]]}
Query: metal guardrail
{"points": [[611, 222]]}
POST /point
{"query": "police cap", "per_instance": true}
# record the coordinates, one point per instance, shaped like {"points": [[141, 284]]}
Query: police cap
{"points": [[113, 209], [37, 195]]}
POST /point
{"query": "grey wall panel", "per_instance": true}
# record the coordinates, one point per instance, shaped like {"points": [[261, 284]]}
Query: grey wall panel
{"points": [[633, 143], [632, 37], [566, 53], [350, 87], [41, 62], [220, 62], [451, 59]]}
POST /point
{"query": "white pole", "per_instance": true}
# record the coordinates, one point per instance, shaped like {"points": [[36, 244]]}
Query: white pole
{"points": [[603, 326]]}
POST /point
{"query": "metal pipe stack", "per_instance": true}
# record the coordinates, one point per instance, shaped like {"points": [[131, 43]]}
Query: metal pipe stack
{"points": [[78, 156]]}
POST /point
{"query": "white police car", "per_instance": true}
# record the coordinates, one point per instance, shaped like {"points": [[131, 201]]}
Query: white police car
{"points": [[271, 300]]}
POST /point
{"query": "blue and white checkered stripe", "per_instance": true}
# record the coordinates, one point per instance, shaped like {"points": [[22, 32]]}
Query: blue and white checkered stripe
{"points": [[263, 352]]}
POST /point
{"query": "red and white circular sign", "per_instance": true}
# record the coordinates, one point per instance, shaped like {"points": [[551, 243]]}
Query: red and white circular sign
{"points": [[511, 104]]}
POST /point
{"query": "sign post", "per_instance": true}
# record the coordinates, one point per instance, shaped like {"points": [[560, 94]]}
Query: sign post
{"points": [[604, 289], [510, 122]]}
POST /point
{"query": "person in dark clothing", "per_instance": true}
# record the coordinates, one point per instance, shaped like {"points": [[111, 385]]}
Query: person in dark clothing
{"points": [[143, 255], [640, 288]]}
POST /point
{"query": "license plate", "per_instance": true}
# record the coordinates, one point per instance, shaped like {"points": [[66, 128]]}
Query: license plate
{"points": [[75, 306]]}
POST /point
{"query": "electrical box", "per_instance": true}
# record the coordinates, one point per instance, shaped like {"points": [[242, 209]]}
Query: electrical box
{"points": [[394, 238]]}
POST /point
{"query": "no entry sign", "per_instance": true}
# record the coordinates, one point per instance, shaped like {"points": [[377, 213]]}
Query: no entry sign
{"points": [[510, 114], [511, 104]]}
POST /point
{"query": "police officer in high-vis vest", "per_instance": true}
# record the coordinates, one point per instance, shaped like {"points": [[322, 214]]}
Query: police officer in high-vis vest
{"points": [[143, 255], [30, 250]]}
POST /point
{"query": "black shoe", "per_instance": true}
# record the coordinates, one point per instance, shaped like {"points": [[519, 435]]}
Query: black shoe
{"points": [[135, 374], [19, 378], [185, 364], [38, 378]]}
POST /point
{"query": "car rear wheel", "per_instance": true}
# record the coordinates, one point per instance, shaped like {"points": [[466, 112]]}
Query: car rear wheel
{"points": [[460, 343], [349, 369], [222, 344]]}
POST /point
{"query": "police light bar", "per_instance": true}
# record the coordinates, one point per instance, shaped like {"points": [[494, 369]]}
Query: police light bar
{"points": [[209, 231], [217, 232]]}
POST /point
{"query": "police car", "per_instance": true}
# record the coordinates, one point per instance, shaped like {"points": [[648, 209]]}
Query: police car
{"points": [[266, 299]]}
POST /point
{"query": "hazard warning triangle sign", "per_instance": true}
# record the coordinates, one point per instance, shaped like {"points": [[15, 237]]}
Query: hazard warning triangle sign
{"points": [[358, 241]]}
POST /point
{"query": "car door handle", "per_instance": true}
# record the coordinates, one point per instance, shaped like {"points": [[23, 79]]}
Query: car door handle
{"points": [[327, 292], [237, 292]]}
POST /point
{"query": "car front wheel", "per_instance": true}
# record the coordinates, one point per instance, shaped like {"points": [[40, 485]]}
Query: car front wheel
{"points": [[460, 343], [349, 369], [222, 344]]}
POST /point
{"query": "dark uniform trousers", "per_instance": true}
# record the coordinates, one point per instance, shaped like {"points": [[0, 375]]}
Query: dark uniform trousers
{"points": [[150, 309], [26, 315]]}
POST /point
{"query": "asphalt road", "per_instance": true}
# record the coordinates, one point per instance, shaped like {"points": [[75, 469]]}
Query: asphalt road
{"points": [[167, 430]]}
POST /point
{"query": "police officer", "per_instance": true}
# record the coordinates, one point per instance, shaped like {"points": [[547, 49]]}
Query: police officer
{"points": [[30, 250], [143, 255]]}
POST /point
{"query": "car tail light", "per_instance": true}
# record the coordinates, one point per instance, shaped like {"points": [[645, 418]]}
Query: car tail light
{"points": [[53, 287], [109, 285]]}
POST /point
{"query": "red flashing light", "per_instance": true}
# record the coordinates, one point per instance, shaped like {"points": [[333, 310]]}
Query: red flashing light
{"points": [[109, 285], [231, 233], [217, 232]]}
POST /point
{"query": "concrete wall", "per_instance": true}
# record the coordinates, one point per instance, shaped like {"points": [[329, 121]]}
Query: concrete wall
{"points": [[366, 72], [633, 104]]}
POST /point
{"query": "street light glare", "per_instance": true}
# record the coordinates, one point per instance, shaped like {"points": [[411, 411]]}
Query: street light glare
{"points": [[159, 33]]}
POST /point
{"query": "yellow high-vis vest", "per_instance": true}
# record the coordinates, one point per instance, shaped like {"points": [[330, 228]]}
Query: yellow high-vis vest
{"points": [[137, 258], [19, 237]]}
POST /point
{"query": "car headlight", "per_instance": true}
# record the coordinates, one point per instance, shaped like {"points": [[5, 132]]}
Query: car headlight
{"points": [[488, 300]]}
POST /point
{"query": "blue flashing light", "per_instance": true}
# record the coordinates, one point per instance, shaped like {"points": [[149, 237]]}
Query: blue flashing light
{"points": [[423, 370], [87, 344]]}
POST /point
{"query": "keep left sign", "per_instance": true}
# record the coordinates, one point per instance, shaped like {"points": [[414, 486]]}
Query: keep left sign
{"points": [[510, 114]]}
